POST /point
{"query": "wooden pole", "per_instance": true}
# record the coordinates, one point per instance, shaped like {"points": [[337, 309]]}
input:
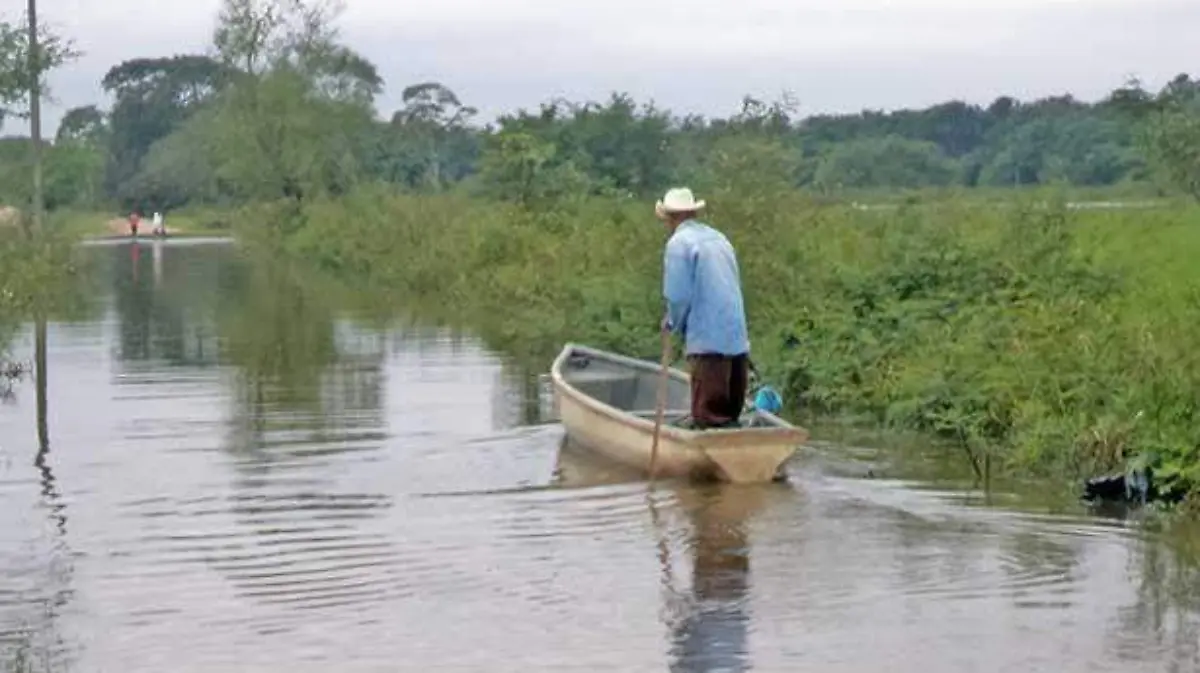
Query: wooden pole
{"points": [[661, 407]]}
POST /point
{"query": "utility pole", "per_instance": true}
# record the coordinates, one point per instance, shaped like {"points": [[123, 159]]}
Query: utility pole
{"points": [[35, 136], [35, 115]]}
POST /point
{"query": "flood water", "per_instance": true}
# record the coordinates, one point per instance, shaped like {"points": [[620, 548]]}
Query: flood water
{"points": [[242, 477]]}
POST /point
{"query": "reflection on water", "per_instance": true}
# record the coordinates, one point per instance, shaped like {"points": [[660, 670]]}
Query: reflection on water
{"points": [[237, 474], [708, 624], [713, 634]]}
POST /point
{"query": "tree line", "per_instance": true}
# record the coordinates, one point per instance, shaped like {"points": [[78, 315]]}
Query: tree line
{"points": [[280, 108]]}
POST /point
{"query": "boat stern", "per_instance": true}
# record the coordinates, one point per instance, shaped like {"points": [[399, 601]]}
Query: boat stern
{"points": [[755, 466], [754, 456]]}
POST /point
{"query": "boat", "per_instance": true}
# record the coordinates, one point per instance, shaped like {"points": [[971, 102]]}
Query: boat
{"points": [[607, 402]]}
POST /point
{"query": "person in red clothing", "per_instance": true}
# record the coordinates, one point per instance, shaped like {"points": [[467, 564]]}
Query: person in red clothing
{"points": [[134, 220]]}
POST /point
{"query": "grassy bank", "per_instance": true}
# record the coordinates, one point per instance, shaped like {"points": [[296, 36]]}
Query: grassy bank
{"points": [[1053, 342]]}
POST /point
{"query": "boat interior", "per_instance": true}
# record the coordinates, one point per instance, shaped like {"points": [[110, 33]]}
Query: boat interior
{"points": [[632, 386]]}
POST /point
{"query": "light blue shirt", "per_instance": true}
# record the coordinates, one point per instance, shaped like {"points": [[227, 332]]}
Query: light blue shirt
{"points": [[703, 291]]}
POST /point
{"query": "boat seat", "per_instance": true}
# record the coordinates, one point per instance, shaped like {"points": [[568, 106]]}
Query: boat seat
{"points": [[585, 376], [750, 419], [670, 413]]}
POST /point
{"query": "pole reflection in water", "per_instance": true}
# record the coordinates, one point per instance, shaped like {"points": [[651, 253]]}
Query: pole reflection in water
{"points": [[713, 633], [44, 641], [41, 459], [709, 625]]}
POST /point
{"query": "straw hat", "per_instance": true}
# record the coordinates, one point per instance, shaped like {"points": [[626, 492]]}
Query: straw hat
{"points": [[678, 200]]}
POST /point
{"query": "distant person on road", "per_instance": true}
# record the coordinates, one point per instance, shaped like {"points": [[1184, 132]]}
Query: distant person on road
{"points": [[703, 293], [134, 220], [158, 229]]}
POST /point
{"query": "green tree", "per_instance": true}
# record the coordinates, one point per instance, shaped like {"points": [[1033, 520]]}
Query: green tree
{"points": [[432, 135], [74, 175], [773, 119], [520, 167], [891, 161], [276, 140], [75, 163], [619, 145], [255, 36], [178, 169], [1077, 148], [85, 124], [16, 76], [15, 186], [153, 98], [1174, 145], [1170, 131], [292, 124]]}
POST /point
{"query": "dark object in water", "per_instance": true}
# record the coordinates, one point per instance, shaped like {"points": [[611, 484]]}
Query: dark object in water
{"points": [[1133, 487], [1113, 488], [10, 373], [12, 370]]}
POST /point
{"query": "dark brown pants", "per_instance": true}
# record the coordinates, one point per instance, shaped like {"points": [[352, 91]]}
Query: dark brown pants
{"points": [[718, 388]]}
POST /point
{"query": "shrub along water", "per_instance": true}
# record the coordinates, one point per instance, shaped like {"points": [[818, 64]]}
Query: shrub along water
{"points": [[1048, 341], [38, 276]]}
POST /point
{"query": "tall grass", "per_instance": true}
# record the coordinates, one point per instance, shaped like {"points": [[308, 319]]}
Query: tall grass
{"points": [[1047, 340]]}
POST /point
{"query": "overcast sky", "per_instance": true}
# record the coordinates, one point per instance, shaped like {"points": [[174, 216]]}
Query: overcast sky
{"points": [[691, 55]]}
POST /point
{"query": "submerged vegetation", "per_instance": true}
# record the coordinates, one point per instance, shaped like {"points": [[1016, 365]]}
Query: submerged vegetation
{"points": [[1041, 337]]}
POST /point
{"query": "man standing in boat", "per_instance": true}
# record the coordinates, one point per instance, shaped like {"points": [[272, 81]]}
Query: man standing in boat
{"points": [[703, 294]]}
